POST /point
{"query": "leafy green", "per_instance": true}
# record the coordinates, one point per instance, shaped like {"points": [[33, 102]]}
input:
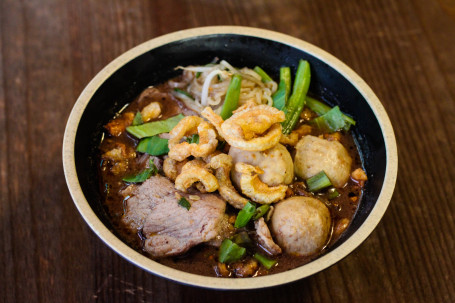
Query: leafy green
{"points": [[137, 119], [154, 146], [154, 128], [144, 175], [245, 215], [184, 203], [229, 252]]}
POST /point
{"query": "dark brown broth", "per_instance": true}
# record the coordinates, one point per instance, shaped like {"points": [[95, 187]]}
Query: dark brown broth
{"points": [[203, 258]]}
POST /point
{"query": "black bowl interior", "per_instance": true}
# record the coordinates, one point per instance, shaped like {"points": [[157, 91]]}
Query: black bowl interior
{"points": [[157, 65]]}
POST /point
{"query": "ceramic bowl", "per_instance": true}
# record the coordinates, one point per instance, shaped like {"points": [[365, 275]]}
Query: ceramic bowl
{"points": [[154, 61]]}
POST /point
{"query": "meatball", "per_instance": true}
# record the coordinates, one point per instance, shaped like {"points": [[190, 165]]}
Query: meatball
{"points": [[276, 163], [314, 154], [301, 225]]}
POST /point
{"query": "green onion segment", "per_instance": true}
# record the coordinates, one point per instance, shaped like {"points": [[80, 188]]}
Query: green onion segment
{"points": [[261, 211], [229, 252], [154, 146], [154, 128], [242, 239], [320, 108], [318, 182], [333, 193], [245, 215], [296, 102], [268, 263], [184, 203], [280, 97], [331, 121], [144, 175], [264, 77], [231, 100]]}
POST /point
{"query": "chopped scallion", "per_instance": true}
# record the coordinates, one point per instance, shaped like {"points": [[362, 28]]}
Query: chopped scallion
{"points": [[242, 239], [261, 211], [331, 121], [318, 182], [154, 128], [333, 193], [268, 263], [198, 74], [154, 146], [245, 215], [320, 108], [184, 203], [230, 252]]}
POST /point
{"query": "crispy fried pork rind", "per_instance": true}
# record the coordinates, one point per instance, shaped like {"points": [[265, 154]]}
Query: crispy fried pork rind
{"points": [[222, 165], [253, 187], [191, 125], [253, 128], [173, 168], [195, 171]]}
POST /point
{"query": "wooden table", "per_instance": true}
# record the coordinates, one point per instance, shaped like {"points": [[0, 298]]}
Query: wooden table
{"points": [[49, 50]]}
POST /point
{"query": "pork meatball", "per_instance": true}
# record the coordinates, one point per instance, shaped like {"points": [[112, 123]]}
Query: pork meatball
{"points": [[314, 154], [276, 163], [301, 225]]}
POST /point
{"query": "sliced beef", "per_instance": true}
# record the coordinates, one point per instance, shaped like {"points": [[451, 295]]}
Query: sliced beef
{"points": [[169, 228], [265, 238]]}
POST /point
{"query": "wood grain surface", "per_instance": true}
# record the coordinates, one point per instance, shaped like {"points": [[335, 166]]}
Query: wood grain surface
{"points": [[50, 49]]}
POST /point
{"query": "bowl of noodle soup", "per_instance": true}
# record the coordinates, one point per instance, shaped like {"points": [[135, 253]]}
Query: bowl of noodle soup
{"points": [[212, 52]]}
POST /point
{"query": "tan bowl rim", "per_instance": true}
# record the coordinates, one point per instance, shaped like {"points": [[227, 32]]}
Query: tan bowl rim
{"points": [[147, 264]]}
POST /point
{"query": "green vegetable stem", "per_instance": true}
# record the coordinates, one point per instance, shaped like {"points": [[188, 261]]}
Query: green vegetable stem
{"points": [[280, 97], [245, 215], [230, 252], [320, 108], [268, 263], [318, 182], [264, 77], [231, 100], [297, 100]]}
